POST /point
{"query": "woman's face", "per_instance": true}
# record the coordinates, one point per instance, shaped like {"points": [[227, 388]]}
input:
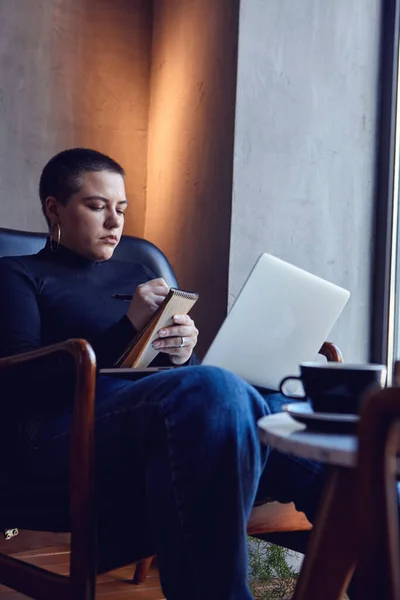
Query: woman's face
{"points": [[91, 222]]}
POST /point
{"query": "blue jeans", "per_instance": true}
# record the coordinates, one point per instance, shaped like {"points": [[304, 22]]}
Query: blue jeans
{"points": [[178, 468]]}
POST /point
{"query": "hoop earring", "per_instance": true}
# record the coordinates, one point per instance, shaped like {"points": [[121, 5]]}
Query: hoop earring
{"points": [[52, 248]]}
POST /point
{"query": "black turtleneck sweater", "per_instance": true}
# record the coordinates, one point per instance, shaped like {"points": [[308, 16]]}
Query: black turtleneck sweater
{"points": [[49, 297]]}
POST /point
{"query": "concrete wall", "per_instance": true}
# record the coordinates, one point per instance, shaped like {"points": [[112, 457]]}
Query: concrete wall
{"points": [[190, 147], [304, 146], [72, 73]]}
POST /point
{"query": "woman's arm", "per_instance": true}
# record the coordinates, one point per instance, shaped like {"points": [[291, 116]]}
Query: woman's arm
{"points": [[20, 331], [20, 324]]}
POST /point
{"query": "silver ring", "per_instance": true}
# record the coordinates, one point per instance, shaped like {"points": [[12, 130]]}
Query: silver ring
{"points": [[183, 342]]}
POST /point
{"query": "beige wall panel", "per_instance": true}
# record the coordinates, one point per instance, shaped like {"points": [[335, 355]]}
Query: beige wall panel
{"points": [[190, 147]]}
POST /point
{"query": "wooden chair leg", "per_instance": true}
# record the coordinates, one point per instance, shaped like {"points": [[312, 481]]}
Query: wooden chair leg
{"points": [[332, 549], [142, 570]]}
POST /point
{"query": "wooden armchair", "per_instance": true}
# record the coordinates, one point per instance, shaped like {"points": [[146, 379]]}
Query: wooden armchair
{"points": [[274, 522], [378, 570], [278, 523], [80, 585]]}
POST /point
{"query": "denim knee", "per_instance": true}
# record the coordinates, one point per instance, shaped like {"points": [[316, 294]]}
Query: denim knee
{"points": [[216, 397]]}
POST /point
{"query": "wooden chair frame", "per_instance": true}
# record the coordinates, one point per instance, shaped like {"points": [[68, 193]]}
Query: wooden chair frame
{"points": [[378, 570], [80, 584]]}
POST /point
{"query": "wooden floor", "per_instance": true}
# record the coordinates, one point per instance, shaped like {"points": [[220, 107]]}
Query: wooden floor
{"points": [[114, 585]]}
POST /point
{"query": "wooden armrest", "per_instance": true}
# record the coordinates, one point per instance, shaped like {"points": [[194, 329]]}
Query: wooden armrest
{"points": [[82, 515], [379, 437], [331, 352], [76, 347]]}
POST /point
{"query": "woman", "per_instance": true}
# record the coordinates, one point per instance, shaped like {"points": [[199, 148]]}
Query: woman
{"points": [[189, 434]]}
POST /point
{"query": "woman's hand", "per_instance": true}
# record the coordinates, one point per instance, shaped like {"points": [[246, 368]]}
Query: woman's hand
{"points": [[178, 340], [146, 299]]}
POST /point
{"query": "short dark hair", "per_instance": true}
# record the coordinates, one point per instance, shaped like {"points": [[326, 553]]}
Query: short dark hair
{"points": [[62, 176]]}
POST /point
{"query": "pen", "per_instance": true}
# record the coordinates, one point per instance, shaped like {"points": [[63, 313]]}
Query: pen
{"points": [[127, 297]]}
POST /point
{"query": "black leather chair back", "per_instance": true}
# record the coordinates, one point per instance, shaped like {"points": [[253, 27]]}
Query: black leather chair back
{"points": [[130, 249]]}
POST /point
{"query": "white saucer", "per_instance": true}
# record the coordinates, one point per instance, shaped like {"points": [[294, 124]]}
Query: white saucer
{"points": [[302, 412]]}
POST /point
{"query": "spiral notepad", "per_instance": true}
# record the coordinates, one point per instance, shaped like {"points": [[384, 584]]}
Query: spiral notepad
{"points": [[140, 352]]}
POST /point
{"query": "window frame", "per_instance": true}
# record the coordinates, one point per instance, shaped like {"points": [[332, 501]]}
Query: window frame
{"points": [[384, 268]]}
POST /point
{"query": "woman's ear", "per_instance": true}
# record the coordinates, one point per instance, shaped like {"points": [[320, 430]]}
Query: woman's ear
{"points": [[52, 209]]}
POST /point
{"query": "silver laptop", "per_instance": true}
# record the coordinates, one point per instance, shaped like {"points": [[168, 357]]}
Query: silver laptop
{"points": [[281, 318]]}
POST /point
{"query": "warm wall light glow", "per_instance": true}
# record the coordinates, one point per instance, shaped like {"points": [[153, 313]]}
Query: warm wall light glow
{"points": [[176, 119], [110, 61], [190, 146]]}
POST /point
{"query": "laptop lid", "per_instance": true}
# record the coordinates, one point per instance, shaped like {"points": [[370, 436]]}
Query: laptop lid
{"points": [[281, 318]]}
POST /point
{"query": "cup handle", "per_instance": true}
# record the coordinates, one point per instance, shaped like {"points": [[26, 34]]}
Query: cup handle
{"points": [[282, 390]]}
